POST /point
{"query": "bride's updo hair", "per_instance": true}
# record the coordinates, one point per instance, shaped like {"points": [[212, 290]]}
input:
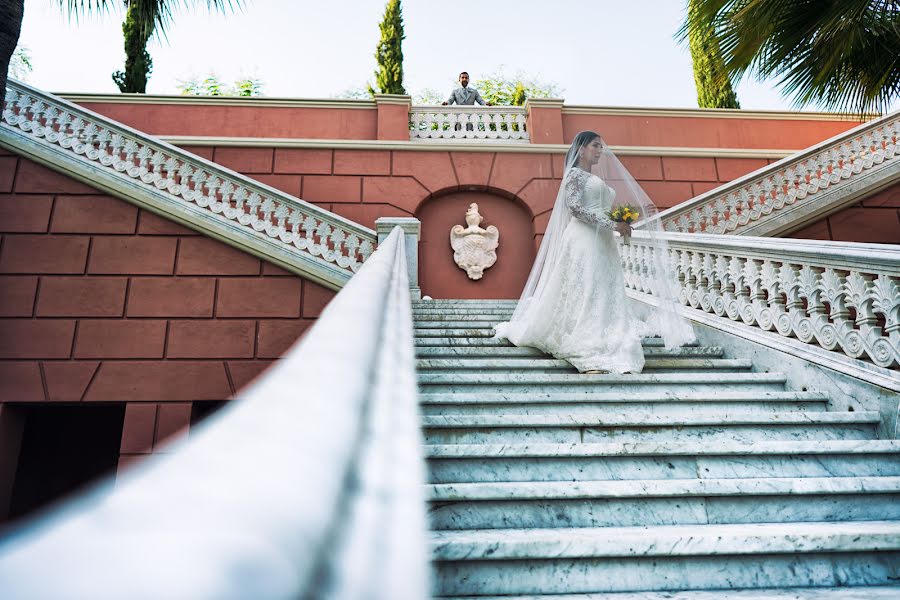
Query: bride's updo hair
{"points": [[581, 140]]}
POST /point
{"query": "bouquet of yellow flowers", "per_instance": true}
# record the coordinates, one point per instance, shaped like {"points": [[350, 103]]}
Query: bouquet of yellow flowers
{"points": [[624, 213]]}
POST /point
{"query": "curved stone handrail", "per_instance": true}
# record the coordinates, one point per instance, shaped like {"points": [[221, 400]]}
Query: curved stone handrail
{"points": [[310, 484], [495, 123], [843, 297], [796, 190], [184, 187]]}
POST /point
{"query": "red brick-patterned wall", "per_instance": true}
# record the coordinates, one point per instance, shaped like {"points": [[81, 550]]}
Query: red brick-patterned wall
{"points": [[102, 301], [875, 219]]}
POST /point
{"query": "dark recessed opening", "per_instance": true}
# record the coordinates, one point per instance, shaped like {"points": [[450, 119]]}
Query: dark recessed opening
{"points": [[64, 448], [204, 408]]}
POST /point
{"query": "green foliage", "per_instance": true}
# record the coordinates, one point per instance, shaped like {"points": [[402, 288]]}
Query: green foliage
{"points": [[714, 89], [20, 66], [211, 85], [389, 53], [138, 64], [505, 90], [839, 55], [429, 96], [356, 93]]}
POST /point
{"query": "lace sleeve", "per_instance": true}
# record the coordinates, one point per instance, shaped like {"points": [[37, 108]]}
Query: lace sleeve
{"points": [[575, 202]]}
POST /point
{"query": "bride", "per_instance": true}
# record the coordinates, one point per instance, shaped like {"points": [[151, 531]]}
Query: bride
{"points": [[574, 304]]}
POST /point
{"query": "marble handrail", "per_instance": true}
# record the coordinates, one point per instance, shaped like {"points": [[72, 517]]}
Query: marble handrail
{"points": [[108, 155], [494, 123], [842, 297], [310, 484], [797, 190]]}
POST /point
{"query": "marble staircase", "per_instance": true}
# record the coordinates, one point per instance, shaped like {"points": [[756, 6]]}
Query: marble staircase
{"points": [[700, 478]]}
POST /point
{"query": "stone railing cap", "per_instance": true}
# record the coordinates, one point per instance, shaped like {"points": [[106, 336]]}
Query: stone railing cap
{"points": [[408, 224], [393, 99], [544, 102]]}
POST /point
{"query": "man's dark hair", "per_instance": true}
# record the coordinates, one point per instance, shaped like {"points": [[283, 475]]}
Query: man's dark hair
{"points": [[463, 73]]}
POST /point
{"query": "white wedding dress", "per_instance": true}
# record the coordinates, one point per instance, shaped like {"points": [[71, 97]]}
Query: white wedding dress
{"points": [[580, 312]]}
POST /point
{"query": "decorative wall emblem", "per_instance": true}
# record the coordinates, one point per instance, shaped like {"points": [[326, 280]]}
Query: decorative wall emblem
{"points": [[474, 248]]}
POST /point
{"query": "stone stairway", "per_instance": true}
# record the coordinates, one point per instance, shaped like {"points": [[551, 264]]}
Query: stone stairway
{"points": [[698, 479]]}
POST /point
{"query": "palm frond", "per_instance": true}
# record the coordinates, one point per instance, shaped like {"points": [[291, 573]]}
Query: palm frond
{"points": [[154, 16], [839, 54]]}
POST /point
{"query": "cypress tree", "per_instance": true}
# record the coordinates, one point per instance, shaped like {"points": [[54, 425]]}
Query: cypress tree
{"points": [[713, 87], [389, 54]]}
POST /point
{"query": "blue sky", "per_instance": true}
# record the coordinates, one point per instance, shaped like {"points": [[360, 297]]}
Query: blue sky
{"points": [[600, 52]]}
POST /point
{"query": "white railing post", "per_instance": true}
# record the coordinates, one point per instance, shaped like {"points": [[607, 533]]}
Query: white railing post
{"points": [[412, 229]]}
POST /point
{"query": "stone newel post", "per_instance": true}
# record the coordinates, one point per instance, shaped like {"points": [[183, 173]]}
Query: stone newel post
{"points": [[411, 228], [544, 118], [393, 116]]}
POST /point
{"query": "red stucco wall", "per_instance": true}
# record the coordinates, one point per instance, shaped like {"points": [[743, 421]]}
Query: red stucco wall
{"points": [[103, 302], [875, 219]]}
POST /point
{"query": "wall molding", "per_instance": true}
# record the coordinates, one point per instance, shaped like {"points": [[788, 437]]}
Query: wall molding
{"points": [[465, 146], [572, 109]]}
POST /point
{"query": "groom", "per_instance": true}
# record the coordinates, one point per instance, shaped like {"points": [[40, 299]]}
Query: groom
{"points": [[464, 95]]}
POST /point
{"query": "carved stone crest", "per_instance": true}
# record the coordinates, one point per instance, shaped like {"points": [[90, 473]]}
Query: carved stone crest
{"points": [[474, 248]]}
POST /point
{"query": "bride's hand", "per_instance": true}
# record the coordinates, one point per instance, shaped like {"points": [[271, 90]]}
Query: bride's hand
{"points": [[623, 228]]}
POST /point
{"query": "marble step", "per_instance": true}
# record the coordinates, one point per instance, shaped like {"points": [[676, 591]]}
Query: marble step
{"points": [[479, 341], [626, 503], [464, 321], [582, 382], [464, 314], [712, 426], [633, 403], [443, 332], [465, 304], [551, 365], [514, 351], [471, 463], [458, 324], [805, 593], [528, 397], [669, 557]]}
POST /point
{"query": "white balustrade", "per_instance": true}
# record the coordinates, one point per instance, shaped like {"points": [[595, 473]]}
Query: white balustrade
{"points": [[843, 297], [759, 203], [494, 123], [310, 484], [230, 205]]}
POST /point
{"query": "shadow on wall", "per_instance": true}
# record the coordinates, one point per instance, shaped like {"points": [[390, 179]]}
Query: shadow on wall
{"points": [[440, 277]]}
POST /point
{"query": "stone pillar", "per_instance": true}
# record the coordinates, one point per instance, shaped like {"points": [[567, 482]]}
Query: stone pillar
{"points": [[544, 120], [393, 116], [411, 229]]}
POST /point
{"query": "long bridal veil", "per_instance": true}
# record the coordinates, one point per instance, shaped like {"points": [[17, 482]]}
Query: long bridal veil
{"points": [[662, 319]]}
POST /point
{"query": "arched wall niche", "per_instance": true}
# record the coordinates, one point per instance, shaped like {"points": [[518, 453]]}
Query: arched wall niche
{"points": [[440, 277]]}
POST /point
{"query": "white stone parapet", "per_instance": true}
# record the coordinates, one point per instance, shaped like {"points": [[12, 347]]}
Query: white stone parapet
{"points": [[493, 123], [843, 297], [309, 484], [799, 189], [142, 169]]}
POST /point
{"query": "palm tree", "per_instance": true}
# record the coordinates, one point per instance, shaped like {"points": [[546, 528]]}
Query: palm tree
{"points": [[143, 19], [10, 26], [839, 54]]}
